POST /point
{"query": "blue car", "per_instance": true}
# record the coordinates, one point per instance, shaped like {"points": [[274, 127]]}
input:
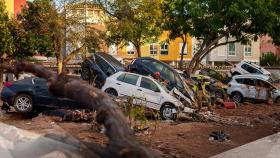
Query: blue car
{"points": [[31, 94]]}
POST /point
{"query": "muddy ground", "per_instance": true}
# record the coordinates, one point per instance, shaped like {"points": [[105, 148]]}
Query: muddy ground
{"points": [[173, 139]]}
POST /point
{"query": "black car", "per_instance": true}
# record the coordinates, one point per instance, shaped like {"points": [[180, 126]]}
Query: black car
{"points": [[148, 66], [31, 94], [98, 67]]}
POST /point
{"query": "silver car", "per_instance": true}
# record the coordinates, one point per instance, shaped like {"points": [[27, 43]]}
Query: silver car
{"points": [[252, 87]]}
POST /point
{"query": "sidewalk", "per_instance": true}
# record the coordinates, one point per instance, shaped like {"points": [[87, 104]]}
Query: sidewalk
{"points": [[267, 147]]}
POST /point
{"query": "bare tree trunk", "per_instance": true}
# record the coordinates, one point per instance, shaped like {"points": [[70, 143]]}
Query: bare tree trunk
{"points": [[59, 63], [138, 49], [182, 54]]}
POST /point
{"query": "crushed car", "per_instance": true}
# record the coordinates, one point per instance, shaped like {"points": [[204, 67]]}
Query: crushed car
{"points": [[149, 91], [253, 87], [30, 95], [98, 67], [149, 66]]}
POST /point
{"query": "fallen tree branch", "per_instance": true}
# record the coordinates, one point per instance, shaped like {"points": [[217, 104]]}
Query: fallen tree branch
{"points": [[122, 143]]}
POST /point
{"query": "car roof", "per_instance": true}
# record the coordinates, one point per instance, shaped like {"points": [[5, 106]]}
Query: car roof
{"points": [[113, 61], [166, 65], [122, 72], [254, 76]]}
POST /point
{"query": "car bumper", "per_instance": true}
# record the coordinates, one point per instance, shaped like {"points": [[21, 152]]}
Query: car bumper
{"points": [[7, 96]]}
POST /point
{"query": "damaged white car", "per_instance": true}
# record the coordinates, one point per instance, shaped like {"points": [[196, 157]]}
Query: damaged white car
{"points": [[148, 91], [253, 87]]}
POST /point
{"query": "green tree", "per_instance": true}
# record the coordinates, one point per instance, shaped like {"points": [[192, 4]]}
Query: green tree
{"points": [[133, 21], [175, 23], [210, 21], [53, 29], [269, 59], [6, 44]]}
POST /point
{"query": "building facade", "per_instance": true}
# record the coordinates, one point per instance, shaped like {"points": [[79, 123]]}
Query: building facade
{"points": [[234, 53], [161, 50], [14, 6], [266, 46], [87, 16]]}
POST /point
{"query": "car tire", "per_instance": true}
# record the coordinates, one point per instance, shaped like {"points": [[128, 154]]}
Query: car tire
{"points": [[166, 112], [111, 92], [235, 73], [237, 97], [23, 103], [85, 73]]}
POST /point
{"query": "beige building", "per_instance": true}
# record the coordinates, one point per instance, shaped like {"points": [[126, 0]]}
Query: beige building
{"points": [[235, 52]]}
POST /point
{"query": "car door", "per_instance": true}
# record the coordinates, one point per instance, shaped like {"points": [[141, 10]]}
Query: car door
{"points": [[149, 93], [42, 95], [126, 84], [263, 88], [250, 88]]}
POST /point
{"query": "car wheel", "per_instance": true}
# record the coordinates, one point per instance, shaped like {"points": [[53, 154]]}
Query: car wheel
{"points": [[235, 73], [23, 103], [111, 92], [166, 112], [85, 74], [237, 97]]}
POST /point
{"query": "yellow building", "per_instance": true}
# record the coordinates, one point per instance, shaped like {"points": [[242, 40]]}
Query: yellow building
{"points": [[167, 52], [10, 7]]}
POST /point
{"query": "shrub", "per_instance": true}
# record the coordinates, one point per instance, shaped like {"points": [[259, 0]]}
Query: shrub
{"points": [[269, 59]]}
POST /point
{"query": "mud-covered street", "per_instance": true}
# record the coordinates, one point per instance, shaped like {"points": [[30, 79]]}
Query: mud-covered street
{"points": [[172, 139]]}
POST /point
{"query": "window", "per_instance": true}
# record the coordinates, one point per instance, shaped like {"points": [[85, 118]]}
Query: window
{"points": [[239, 80], [185, 50], [263, 84], [153, 49], [248, 81], [169, 76], [231, 49], [130, 79], [164, 49], [130, 49], [40, 81], [179, 83], [104, 66], [152, 65], [148, 84], [250, 69], [130, 52], [248, 50], [121, 77]]}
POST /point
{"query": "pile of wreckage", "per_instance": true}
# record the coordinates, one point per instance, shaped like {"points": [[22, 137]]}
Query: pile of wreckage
{"points": [[150, 83]]}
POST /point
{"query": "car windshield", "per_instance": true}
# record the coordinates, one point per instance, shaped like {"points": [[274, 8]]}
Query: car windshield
{"points": [[163, 87]]}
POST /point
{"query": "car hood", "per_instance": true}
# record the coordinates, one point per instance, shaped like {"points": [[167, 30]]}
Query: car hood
{"points": [[178, 95]]}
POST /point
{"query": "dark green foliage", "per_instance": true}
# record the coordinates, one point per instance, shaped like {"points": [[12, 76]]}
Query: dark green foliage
{"points": [[135, 21], [210, 21], [269, 59]]}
